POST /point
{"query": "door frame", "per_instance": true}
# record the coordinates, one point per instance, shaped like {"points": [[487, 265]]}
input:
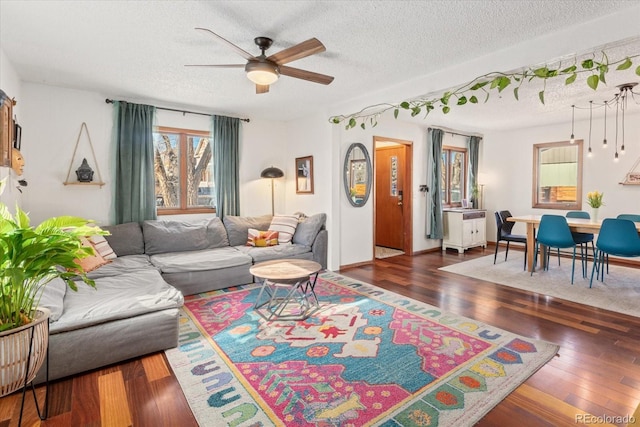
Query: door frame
{"points": [[407, 195]]}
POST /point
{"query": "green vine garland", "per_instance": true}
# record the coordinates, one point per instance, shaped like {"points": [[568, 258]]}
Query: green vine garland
{"points": [[490, 82]]}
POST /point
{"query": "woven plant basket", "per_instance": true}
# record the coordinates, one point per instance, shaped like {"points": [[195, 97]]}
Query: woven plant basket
{"points": [[14, 352]]}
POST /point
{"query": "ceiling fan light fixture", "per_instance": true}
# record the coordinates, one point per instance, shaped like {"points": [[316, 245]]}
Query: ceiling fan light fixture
{"points": [[262, 72]]}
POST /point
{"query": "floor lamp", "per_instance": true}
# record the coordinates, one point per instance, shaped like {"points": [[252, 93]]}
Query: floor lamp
{"points": [[272, 173]]}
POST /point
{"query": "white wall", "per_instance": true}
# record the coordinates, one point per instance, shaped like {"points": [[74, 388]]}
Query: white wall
{"points": [[51, 120], [356, 223], [263, 144], [508, 165], [11, 85], [312, 136]]}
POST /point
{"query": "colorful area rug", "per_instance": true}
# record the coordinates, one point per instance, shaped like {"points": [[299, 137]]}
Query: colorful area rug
{"points": [[366, 357]]}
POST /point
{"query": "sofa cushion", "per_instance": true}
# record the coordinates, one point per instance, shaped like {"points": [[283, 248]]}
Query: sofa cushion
{"points": [[274, 252], [238, 227], [121, 265], [207, 259], [174, 236], [308, 228], [285, 225], [117, 297], [125, 239], [52, 297], [216, 234]]}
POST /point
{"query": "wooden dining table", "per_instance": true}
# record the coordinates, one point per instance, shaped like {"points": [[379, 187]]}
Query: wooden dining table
{"points": [[580, 225]]}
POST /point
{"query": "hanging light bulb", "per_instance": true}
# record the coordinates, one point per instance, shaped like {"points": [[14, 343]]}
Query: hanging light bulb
{"points": [[572, 140], [604, 141], [589, 153], [623, 103], [615, 158]]}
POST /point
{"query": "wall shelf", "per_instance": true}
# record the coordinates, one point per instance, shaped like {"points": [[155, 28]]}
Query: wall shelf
{"points": [[95, 161], [85, 183], [632, 177]]}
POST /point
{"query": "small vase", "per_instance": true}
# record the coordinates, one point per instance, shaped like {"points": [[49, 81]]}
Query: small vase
{"points": [[594, 214]]}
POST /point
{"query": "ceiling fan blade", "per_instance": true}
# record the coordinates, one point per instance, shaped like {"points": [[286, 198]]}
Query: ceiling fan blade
{"points": [[305, 75], [301, 50], [216, 65], [242, 52], [262, 89]]}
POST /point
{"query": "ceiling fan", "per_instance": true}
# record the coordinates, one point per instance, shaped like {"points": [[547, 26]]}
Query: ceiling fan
{"points": [[264, 70]]}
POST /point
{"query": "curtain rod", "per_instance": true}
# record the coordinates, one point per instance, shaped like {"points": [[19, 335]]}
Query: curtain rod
{"points": [[111, 101], [453, 132]]}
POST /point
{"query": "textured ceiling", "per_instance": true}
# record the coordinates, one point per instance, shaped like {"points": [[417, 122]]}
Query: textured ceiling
{"points": [[136, 50]]}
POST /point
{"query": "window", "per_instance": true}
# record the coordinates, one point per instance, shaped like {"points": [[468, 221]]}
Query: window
{"points": [[557, 175], [183, 171], [454, 176]]}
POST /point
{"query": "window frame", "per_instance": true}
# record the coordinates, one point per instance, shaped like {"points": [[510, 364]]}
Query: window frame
{"points": [[535, 191], [184, 209], [448, 149]]}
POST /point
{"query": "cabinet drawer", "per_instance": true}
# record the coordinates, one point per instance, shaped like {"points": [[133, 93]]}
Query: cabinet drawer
{"points": [[473, 215]]}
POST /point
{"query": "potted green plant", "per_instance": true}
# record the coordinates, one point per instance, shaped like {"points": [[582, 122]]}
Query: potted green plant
{"points": [[30, 257]]}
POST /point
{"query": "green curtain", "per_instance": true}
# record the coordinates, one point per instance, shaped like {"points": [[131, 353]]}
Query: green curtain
{"points": [[135, 199], [226, 163], [434, 223], [473, 145]]}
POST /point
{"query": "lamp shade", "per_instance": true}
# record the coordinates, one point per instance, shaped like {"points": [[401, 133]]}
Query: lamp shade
{"points": [[262, 72], [272, 172]]}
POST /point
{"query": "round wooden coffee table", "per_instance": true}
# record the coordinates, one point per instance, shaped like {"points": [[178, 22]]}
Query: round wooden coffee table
{"points": [[287, 288]]}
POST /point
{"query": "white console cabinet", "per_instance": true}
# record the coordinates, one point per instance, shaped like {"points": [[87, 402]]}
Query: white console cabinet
{"points": [[464, 229]]}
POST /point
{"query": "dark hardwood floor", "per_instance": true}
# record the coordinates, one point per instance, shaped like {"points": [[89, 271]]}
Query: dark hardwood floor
{"points": [[597, 370]]}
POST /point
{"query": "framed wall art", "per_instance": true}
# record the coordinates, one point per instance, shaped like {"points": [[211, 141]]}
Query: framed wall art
{"points": [[304, 175], [6, 129]]}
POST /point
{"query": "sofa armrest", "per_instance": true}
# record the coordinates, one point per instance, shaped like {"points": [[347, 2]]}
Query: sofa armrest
{"points": [[319, 248]]}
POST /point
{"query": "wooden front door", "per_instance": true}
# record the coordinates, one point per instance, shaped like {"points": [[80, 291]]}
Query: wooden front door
{"points": [[389, 196]]}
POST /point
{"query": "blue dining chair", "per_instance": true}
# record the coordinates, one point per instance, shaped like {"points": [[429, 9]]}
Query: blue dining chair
{"points": [[630, 217], [583, 239], [618, 237], [554, 232]]}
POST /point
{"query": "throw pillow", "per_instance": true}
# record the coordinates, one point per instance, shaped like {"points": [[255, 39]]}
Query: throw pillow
{"points": [[285, 225], [309, 228], [262, 239], [238, 226], [101, 246], [91, 262]]}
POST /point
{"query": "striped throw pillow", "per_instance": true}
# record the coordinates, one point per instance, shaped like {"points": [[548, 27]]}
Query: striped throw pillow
{"points": [[286, 226], [102, 247]]}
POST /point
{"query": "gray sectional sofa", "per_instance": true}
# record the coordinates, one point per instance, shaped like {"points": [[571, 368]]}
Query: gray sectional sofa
{"points": [[134, 309]]}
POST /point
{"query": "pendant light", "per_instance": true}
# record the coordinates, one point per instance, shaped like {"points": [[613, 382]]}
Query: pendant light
{"points": [[615, 158], [572, 140], [604, 141], [589, 153], [623, 106]]}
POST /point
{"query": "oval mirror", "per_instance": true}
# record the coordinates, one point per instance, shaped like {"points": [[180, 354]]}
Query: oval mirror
{"points": [[357, 174]]}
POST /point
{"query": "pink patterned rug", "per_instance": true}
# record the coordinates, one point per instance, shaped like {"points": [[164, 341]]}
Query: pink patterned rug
{"points": [[365, 357]]}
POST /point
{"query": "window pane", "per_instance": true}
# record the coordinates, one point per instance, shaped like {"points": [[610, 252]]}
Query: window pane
{"points": [[457, 177], [200, 180], [558, 175], [167, 169]]}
